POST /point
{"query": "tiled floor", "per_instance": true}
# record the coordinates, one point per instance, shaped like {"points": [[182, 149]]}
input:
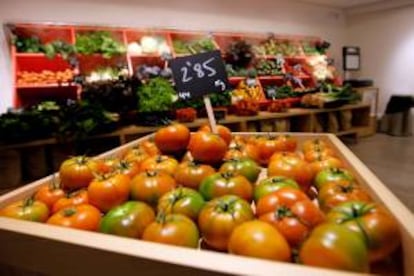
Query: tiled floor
{"points": [[392, 160]]}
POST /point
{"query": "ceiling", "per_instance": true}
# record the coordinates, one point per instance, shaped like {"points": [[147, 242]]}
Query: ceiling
{"points": [[343, 4]]}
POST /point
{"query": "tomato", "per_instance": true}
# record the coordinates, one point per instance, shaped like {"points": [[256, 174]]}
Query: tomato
{"points": [[108, 191], [128, 168], [207, 147], [293, 219], [77, 172], [336, 247], [28, 209], [136, 155], [73, 198], [377, 226], [108, 164], [173, 229], [161, 163], [50, 193], [84, 216], [260, 240], [223, 131], [284, 196], [272, 184], [149, 186], [172, 139], [310, 145], [244, 166], [239, 150], [129, 219], [183, 201], [286, 143], [291, 166], [190, 174], [220, 184], [334, 193], [328, 162], [332, 175], [220, 216], [150, 147], [266, 146], [318, 153]]}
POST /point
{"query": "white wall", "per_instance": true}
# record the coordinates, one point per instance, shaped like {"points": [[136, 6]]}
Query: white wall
{"points": [[282, 17], [387, 50]]}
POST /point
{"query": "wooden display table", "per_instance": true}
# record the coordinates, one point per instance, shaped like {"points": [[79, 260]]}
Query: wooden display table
{"points": [[59, 251]]}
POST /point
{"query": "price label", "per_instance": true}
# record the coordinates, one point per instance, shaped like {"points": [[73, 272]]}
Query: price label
{"points": [[199, 74]]}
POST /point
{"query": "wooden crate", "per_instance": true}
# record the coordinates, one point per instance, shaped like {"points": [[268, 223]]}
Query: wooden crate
{"points": [[55, 250]]}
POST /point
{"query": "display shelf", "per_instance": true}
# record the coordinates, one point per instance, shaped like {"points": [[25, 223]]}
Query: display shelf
{"points": [[108, 254], [46, 85]]}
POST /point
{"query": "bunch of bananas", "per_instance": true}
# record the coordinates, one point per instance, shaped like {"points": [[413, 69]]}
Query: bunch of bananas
{"points": [[245, 91]]}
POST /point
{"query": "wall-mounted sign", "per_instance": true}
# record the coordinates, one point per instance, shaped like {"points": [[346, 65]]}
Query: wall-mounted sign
{"points": [[351, 58]]}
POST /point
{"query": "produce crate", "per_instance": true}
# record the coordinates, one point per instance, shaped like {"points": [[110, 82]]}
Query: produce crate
{"points": [[60, 251]]}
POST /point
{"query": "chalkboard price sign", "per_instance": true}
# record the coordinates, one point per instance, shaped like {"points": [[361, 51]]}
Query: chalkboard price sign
{"points": [[199, 74]]}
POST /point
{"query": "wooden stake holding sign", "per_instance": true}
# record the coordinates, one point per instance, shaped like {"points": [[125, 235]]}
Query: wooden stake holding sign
{"points": [[199, 75]]}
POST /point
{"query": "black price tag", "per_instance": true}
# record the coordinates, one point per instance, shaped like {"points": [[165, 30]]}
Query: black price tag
{"points": [[199, 74]]}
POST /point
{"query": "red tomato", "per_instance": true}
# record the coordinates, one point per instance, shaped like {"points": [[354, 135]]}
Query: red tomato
{"points": [[260, 240], [334, 193], [377, 226], [190, 174], [293, 219], [73, 198], [161, 163], [108, 191], [28, 209], [336, 247], [286, 143], [49, 194], [149, 186], [219, 217], [220, 184], [84, 216], [172, 139], [77, 172], [173, 229], [223, 131], [291, 166], [207, 147], [272, 184], [150, 147]]}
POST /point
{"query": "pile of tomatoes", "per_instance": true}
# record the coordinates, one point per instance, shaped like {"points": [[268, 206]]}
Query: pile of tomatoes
{"points": [[258, 196]]}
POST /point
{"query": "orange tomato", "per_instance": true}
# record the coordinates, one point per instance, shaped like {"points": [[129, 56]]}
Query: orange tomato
{"points": [[172, 139], [161, 163], [260, 240], [190, 174], [49, 194], [77, 172], [73, 198], [207, 147], [223, 131], [108, 191], [84, 216]]}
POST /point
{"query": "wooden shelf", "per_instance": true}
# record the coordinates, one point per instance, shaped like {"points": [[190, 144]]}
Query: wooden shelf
{"points": [[46, 85]]}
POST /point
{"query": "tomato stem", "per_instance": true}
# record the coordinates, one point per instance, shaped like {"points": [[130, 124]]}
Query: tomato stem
{"points": [[69, 212]]}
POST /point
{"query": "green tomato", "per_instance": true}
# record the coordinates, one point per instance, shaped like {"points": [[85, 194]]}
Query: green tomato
{"points": [[336, 247], [332, 175], [220, 184], [272, 184], [28, 209], [374, 223], [129, 219], [244, 166], [183, 201]]}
